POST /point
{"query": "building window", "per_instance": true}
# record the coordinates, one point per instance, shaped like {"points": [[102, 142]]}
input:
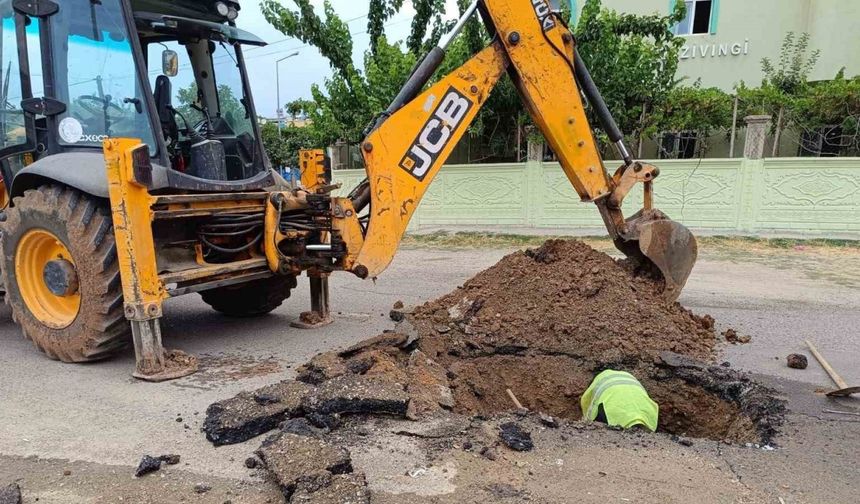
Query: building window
{"points": [[827, 141], [678, 145], [698, 18]]}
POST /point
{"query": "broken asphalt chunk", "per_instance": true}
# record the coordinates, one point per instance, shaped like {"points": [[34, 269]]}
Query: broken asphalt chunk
{"points": [[10, 494], [357, 394], [250, 414], [340, 489], [147, 465], [322, 367], [515, 437], [293, 459], [302, 427], [384, 340]]}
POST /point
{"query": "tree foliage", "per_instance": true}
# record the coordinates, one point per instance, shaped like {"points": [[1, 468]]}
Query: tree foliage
{"points": [[342, 107], [693, 108], [790, 73], [330, 36], [283, 147], [633, 60]]}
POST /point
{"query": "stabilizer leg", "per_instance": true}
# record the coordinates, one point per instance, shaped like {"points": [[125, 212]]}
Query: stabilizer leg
{"points": [[143, 292], [153, 362], [319, 315]]}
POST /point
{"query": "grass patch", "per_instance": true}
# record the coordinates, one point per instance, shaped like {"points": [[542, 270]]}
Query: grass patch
{"points": [[475, 240], [467, 239], [781, 243], [837, 261]]}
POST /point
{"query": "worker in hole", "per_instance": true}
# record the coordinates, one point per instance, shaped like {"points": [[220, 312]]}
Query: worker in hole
{"points": [[616, 398]]}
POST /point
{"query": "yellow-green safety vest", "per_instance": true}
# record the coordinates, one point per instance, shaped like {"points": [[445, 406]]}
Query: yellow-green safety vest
{"points": [[625, 401]]}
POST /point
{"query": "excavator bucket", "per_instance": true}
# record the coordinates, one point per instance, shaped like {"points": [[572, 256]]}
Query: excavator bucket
{"points": [[672, 248], [655, 239]]}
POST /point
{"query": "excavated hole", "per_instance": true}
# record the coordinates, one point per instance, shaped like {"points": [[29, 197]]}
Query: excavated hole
{"points": [[712, 403]]}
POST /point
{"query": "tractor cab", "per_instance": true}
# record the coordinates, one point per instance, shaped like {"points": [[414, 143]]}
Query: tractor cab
{"points": [[170, 73]]}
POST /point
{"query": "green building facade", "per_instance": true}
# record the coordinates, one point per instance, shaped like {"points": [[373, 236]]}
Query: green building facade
{"points": [[725, 40]]}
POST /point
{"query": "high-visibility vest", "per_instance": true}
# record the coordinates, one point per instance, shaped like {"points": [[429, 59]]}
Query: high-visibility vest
{"points": [[625, 401]]}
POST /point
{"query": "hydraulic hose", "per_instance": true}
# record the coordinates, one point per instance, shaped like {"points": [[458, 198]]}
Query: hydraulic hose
{"points": [[595, 99]]}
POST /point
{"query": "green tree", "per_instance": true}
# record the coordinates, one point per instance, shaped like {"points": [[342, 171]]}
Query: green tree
{"points": [[830, 110], [283, 147], [784, 83], [348, 100], [693, 108], [300, 107], [790, 73], [633, 60]]}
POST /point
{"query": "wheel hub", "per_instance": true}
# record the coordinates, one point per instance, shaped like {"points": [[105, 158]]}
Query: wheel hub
{"points": [[47, 278], [60, 277]]}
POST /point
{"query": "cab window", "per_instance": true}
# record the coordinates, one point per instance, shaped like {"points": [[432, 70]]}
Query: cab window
{"points": [[96, 77], [12, 128]]}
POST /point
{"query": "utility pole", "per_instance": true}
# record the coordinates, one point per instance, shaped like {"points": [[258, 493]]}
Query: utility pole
{"points": [[280, 108]]}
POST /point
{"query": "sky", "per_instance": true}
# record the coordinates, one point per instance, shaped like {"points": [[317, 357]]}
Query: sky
{"points": [[299, 73]]}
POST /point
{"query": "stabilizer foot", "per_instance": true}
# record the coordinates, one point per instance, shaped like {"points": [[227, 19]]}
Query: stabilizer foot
{"points": [[319, 315], [153, 362]]}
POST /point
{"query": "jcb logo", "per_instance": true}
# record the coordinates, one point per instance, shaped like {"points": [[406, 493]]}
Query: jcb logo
{"points": [[544, 14], [436, 134]]}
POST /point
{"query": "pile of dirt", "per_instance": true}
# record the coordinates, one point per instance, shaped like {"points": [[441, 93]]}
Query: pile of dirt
{"points": [[563, 298]]}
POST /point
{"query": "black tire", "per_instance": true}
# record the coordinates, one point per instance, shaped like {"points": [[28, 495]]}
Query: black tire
{"points": [[83, 224], [251, 299]]}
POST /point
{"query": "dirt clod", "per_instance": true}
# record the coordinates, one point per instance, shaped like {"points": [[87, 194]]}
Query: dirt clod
{"points": [[171, 459], [515, 437], [10, 494], [251, 462], [489, 453], [310, 318], [797, 361], [548, 420], [732, 336], [202, 488]]}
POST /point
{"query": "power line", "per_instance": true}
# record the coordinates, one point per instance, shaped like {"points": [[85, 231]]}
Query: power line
{"points": [[280, 51], [291, 38]]}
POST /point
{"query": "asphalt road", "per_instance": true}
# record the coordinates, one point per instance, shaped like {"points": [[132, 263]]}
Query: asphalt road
{"points": [[98, 414]]}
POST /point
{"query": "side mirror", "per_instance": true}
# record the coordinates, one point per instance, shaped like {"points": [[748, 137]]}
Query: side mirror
{"points": [[169, 63]]}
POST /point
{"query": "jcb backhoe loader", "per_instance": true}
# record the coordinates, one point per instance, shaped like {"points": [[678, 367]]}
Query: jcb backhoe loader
{"points": [[121, 198]]}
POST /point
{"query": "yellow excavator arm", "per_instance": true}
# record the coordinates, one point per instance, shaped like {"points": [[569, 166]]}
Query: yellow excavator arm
{"points": [[408, 144]]}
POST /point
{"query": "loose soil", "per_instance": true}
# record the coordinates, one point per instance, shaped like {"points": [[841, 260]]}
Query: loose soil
{"points": [[564, 298]]}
